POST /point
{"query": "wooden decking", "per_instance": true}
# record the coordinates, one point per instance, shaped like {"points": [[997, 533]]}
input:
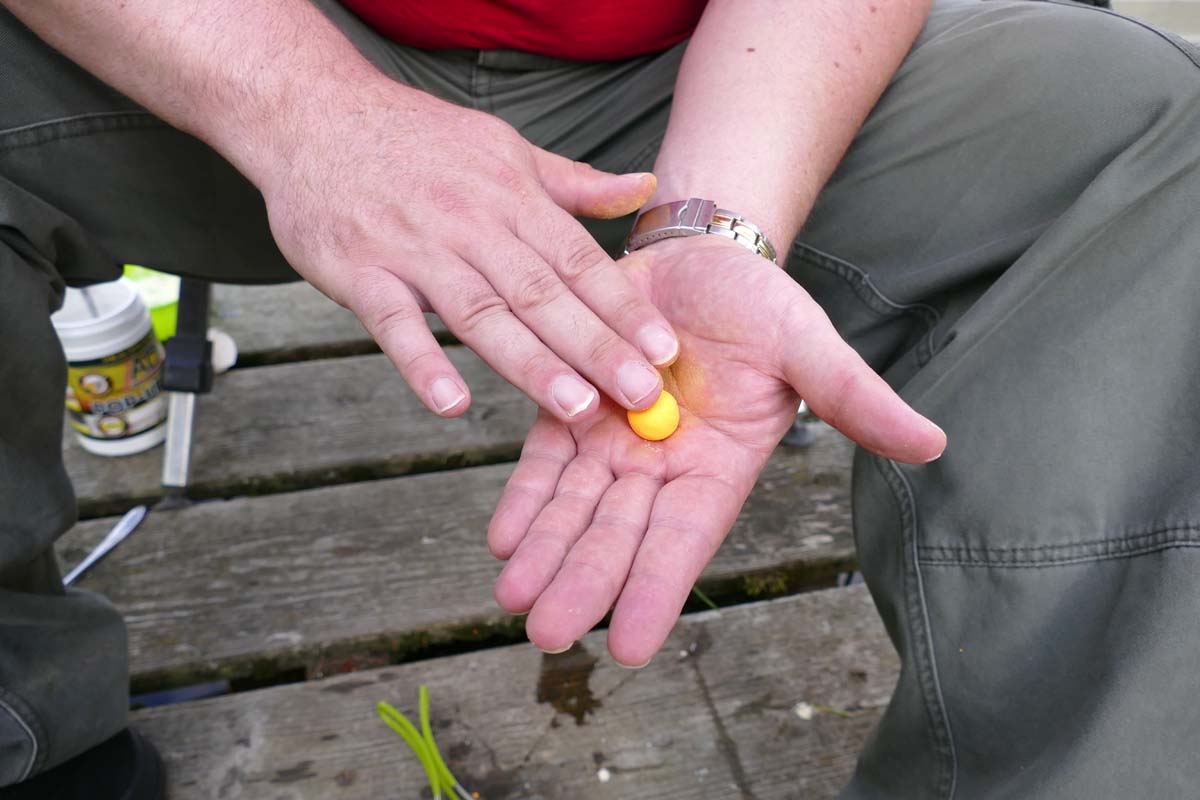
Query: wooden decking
{"points": [[341, 528]]}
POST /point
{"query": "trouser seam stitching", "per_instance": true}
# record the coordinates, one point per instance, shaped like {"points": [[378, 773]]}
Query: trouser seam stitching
{"points": [[74, 127], [1064, 561], [869, 294], [917, 613], [27, 718], [1130, 539]]}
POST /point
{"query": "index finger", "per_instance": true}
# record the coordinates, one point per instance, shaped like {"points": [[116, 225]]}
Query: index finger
{"points": [[601, 283]]}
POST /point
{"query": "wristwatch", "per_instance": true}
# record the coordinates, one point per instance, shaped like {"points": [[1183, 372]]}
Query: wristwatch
{"points": [[693, 217]]}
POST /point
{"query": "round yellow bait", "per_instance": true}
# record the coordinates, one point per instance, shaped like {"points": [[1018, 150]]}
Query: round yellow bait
{"points": [[658, 421]]}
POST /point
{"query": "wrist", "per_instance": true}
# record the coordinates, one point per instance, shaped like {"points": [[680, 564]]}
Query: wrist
{"points": [[697, 217], [696, 244], [267, 128], [771, 221]]}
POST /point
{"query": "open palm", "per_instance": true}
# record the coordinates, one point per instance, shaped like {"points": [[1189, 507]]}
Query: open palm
{"points": [[594, 516]]}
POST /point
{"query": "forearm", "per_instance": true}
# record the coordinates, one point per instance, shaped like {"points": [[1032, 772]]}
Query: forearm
{"points": [[769, 97], [238, 75]]}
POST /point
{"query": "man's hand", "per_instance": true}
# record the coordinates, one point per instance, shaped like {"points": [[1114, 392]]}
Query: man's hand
{"points": [[398, 203], [389, 200], [594, 516]]}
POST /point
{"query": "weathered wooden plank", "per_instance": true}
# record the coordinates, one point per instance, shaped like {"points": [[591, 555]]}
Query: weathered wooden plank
{"points": [[286, 322], [258, 585], [1179, 16], [292, 322], [711, 717], [317, 422]]}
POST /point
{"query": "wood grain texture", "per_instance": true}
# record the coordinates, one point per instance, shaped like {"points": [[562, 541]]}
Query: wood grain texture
{"points": [[291, 426], [292, 322], [711, 717], [257, 585]]}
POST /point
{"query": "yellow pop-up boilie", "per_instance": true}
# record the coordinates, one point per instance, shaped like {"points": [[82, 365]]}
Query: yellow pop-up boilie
{"points": [[658, 421]]}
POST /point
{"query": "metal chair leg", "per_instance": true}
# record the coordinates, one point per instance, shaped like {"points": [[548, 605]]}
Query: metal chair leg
{"points": [[188, 372]]}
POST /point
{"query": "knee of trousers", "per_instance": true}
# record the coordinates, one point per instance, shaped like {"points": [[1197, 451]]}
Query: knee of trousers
{"points": [[1067, 387], [1003, 115], [1036, 579], [1063, 72], [1056, 90], [1058, 672]]}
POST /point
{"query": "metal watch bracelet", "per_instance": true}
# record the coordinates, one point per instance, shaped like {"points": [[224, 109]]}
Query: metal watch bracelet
{"points": [[693, 217]]}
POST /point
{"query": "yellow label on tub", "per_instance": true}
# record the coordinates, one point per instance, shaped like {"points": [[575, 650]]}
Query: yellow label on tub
{"points": [[118, 395]]}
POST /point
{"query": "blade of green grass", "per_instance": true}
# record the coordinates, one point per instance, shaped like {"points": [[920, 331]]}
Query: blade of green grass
{"points": [[704, 598]]}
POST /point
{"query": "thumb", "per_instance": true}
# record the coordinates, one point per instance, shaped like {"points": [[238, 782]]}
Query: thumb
{"points": [[583, 191], [843, 390]]}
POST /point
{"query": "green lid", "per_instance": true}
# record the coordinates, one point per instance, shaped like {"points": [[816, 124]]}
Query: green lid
{"points": [[160, 293]]}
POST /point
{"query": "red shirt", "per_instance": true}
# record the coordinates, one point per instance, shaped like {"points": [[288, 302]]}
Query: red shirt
{"points": [[583, 30]]}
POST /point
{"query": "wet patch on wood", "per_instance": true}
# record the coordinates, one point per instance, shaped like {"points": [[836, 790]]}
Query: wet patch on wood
{"points": [[564, 683]]}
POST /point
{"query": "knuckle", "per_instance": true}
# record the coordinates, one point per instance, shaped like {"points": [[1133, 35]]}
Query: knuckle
{"points": [[450, 199], [415, 361], [345, 233], [579, 258], [512, 179], [537, 291], [626, 310], [368, 292], [389, 319], [476, 309], [536, 365], [353, 235], [844, 385], [581, 169], [608, 349], [492, 128]]}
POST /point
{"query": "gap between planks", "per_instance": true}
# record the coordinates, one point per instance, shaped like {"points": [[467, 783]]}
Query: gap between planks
{"points": [[280, 323]]}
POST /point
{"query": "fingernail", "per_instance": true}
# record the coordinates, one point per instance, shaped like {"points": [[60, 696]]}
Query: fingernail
{"points": [[944, 437], [572, 394], [637, 381], [643, 665], [446, 394], [658, 344], [556, 652]]}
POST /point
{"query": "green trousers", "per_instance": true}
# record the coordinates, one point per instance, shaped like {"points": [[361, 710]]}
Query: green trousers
{"points": [[1011, 241]]}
